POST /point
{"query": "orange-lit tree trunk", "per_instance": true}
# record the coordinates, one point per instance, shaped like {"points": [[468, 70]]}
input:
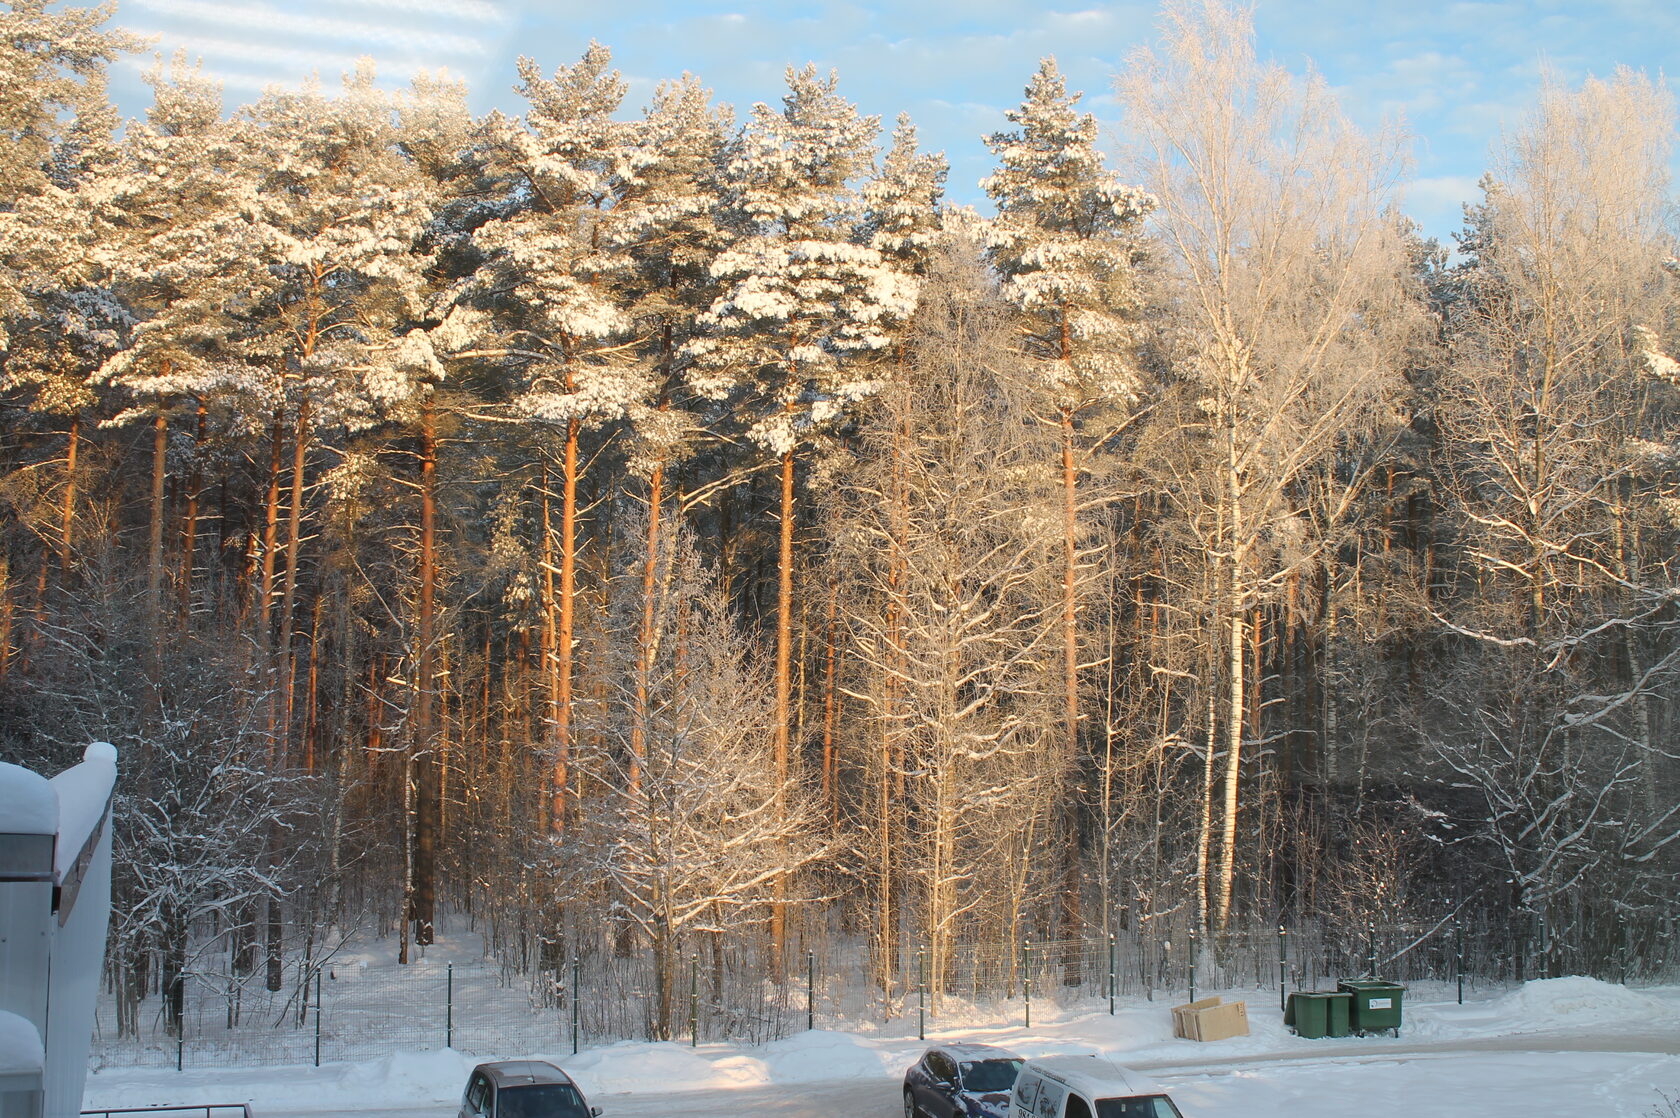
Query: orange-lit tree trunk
{"points": [[646, 645], [784, 701], [67, 531], [564, 630]]}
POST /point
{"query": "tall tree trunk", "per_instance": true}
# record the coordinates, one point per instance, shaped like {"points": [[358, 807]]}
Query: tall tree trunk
{"points": [[555, 800], [425, 733], [784, 698], [1204, 832], [564, 628], [1233, 765], [1070, 804], [270, 547], [288, 596], [67, 531], [646, 642], [6, 611], [1070, 591], [830, 785], [154, 551], [195, 483]]}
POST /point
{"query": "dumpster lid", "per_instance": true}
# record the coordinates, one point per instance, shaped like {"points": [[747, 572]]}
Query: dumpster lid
{"points": [[1355, 984]]}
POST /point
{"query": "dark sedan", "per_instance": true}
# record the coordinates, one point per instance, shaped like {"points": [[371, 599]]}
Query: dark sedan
{"points": [[960, 1081]]}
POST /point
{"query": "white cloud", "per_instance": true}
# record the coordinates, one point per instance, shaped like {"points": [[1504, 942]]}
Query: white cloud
{"points": [[254, 20]]}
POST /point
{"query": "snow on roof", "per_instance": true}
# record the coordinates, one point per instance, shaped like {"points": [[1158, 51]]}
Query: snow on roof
{"points": [[968, 1050], [1095, 1076], [27, 805], [20, 1043], [83, 790]]}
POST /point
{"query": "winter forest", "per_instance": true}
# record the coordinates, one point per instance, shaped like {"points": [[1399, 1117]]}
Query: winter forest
{"points": [[648, 528]]}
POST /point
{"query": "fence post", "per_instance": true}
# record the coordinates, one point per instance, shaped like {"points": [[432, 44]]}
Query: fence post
{"points": [[694, 1001], [1460, 930], [449, 1005], [921, 993], [1370, 948], [317, 1018], [1192, 962], [810, 990], [577, 972], [181, 1027], [1283, 967], [1624, 945], [1111, 975], [1026, 978]]}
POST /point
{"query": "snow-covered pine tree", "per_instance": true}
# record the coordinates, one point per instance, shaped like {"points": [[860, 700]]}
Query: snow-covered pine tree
{"points": [[550, 275], [50, 63], [58, 316], [668, 225], [903, 202], [185, 254], [803, 308], [1067, 240], [341, 212]]}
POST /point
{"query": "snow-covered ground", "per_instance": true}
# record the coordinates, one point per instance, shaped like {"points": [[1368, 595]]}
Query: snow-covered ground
{"points": [[1565, 1046]]}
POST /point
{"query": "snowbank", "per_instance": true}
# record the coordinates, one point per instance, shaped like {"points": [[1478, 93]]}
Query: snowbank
{"points": [[1139, 1034], [1580, 1000], [820, 1054], [636, 1067]]}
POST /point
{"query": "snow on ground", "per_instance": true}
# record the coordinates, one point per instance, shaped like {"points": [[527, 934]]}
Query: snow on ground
{"points": [[1561, 1046]]}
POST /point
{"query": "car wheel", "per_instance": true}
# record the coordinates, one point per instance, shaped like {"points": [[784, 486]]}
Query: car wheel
{"points": [[911, 1110]]}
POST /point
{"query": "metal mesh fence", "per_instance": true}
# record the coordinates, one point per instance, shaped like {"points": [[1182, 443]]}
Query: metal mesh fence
{"points": [[360, 1006]]}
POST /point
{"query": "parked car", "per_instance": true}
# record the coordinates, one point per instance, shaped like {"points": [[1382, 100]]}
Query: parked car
{"points": [[523, 1089], [1086, 1087], [960, 1081]]}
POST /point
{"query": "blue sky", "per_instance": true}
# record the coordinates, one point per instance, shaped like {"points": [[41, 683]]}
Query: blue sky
{"points": [[1454, 71]]}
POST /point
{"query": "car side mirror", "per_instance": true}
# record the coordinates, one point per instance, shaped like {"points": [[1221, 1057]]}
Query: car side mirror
{"points": [[594, 1112]]}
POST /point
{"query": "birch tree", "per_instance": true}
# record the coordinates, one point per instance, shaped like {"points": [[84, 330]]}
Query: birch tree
{"points": [[1274, 213]]}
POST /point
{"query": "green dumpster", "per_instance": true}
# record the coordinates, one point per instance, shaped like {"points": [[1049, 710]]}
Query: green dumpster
{"points": [[1317, 1014], [1376, 1004]]}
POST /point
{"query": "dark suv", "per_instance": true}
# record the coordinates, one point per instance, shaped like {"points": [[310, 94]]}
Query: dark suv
{"points": [[523, 1089], [960, 1081]]}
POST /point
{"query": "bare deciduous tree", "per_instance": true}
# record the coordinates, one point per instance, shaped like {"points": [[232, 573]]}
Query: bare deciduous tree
{"points": [[1274, 210]]}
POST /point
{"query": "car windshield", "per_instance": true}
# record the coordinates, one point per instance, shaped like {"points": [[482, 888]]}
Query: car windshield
{"points": [[543, 1100], [1140, 1106], [989, 1075]]}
